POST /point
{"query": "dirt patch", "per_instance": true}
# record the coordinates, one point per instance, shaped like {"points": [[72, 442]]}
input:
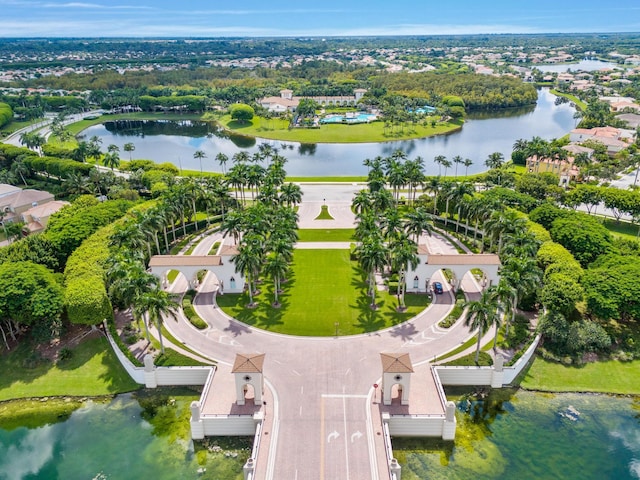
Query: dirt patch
{"points": [[127, 332], [73, 335]]}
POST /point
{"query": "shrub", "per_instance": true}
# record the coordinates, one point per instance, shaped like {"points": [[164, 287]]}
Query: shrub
{"points": [[190, 312], [6, 114]]}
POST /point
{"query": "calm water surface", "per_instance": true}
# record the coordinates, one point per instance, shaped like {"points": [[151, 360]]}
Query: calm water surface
{"points": [[115, 441], [174, 142], [532, 436], [584, 65]]}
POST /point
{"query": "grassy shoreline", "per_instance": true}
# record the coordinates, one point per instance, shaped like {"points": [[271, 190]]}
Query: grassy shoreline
{"points": [[607, 377], [278, 129]]}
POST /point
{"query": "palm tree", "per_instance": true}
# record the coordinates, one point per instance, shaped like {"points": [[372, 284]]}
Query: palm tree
{"points": [[524, 276], [129, 147], [504, 294], [494, 160], [481, 315], [391, 224], [81, 152], [434, 186], [113, 148], [157, 304], [439, 160], [404, 254], [76, 184], [457, 160], [467, 163], [503, 222], [111, 160], [418, 222], [372, 257], [199, 154], [222, 159], [290, 194], [458, 194], [361, 202], [247, 262], [276, 266], [447, 165]]}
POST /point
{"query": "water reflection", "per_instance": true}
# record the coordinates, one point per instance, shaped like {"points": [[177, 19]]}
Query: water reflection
{"points": [[479, 137], [519, 434]]}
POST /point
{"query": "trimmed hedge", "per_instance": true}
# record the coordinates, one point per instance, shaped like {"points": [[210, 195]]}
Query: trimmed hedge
{"points": [[190, 312], [86, 295], [6, 114], [58, 167]]}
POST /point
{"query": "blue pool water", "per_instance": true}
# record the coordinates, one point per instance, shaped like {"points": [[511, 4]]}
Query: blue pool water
{"points": [[359, 118]]}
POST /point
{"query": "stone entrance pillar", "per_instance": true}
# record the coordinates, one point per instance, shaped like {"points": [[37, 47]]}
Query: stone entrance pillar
{"points": [[396, 370], [247, 369]]}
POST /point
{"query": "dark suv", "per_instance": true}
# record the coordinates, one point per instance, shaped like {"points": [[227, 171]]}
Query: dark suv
{"points": [[437, 288]]}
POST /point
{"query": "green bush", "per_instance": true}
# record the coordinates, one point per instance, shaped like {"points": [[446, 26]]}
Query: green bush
{"points": [[190, 312], [6, 114]]}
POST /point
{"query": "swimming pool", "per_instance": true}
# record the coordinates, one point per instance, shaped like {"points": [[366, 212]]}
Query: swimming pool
{"points": [[349, 118]]}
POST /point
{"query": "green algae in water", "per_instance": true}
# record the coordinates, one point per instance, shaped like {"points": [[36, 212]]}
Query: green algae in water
{"points": [[121, 440], [531, 435]]}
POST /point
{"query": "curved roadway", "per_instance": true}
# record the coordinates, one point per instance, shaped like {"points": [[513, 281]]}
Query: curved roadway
{"points": [[322, 423]]}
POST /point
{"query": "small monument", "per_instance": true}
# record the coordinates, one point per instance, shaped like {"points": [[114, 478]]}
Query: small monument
{"points": [[248, 371], [396, 370]]}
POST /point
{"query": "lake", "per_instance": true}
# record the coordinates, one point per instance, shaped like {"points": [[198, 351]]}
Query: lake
{"points": [[585, 65], [482, 134], [507, 434], [520, 434], [126, 438]]}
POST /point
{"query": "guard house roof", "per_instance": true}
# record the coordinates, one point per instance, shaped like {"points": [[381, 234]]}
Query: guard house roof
{"points": [[396, 363], [248, 363]]}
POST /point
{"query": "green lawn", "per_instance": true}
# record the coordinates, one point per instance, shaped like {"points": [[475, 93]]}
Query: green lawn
{"points": [[325, 288], [92, 370], [277, 129], [324, 214], [77, 127], [606, 377], [621, 229], [329, 235], [579, 103]]}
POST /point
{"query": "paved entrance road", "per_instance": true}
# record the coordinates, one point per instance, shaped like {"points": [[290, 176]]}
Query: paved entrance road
{"points": [[322, 427]]}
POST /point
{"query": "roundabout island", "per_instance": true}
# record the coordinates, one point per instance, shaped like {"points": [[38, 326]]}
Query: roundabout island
{"points": [[318, 411]]}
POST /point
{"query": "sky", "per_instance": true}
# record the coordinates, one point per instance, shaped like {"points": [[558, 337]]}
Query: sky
{"points": [[266, 18]]}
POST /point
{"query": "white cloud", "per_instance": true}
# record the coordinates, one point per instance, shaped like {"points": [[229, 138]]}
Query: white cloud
{"points": [[94, 6], [29, 455]]}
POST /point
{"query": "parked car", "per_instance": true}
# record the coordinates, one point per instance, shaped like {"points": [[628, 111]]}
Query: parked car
{"points": [[437, 288]]}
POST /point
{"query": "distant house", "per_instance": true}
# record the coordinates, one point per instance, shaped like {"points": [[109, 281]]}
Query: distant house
{"points": [[615, 139], [565, 169], [6, 189], [632, 119], [15, 204], [37, 217], [288, 102], [575, 149]]}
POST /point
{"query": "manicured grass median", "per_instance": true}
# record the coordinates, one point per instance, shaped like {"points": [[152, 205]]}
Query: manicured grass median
{"points": [[606, 377], [329, 235], [277, 129], [92, 370], [325, 288]]}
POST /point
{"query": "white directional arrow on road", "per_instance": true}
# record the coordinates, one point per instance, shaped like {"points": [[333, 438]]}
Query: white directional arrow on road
{"points": [[332, 436], [355, 436]]}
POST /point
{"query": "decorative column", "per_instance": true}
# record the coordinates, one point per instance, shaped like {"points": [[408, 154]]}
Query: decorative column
{"points": [[197, 424], [449, 424], [497, 376], [150, 380]]}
